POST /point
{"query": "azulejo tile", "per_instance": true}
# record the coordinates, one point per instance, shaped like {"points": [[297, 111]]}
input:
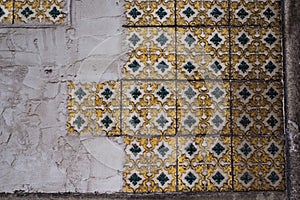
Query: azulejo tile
{"points": [[204, 164], [256, 53], [257, 108], [6, 8], [149, 108], [150, 164], [107, 108], [151, 40], [94, 108], [150, 12], [204, 12], [150, 66], [260, 12], [202, 53], [40, 11], [203, 107], [81, 108], [258, 163]]}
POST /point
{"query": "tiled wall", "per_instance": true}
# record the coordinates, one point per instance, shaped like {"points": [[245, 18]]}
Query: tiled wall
{"points": [[200, 104], [32, 11]]}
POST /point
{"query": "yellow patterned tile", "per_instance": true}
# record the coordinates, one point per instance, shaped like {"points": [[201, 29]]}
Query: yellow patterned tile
{"points": [[6, 8], [149, 12], [45, 11], [257, 108], [149, 108], [107, 108], [150, 66], [258, 163], [203, 107], [204, 12], [256, 53], [260, 12], [204, 164], [151, 40], [150, 165]]}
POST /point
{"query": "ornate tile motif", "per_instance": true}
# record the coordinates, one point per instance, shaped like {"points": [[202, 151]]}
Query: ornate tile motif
{"points": [[258, 163], [203, 108], [200, 105], [6, 9], [46, 11], [258, 12], [149, 108], [256, 53], [150, 164], [94, 108], [150, 12], [204, 164], [257, 108], [202, 12], [202, 53]]}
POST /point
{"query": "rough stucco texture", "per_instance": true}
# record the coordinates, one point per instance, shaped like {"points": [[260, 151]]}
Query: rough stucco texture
{"points": [[36, 153]]}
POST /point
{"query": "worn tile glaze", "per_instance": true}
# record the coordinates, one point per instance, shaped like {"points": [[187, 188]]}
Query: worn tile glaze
{"points": [[200, 104]]}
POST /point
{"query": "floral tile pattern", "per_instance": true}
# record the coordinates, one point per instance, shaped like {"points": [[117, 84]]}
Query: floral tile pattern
{"points": [[200, 104], [32, 12], [6, 9]]}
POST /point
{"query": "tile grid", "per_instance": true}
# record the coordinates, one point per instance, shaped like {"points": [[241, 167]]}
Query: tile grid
{"points": [[198, 150]]}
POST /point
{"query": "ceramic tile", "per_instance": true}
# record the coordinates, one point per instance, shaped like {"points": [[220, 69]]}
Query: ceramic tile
{"points": [[149, 108], [204, 164], [40, 11], [258, 163], [150, 164], [6, 8], [256, 53], [81, 108], [258, 12], [203, 107], [107, 108], [151, 40], [202, 12], [257, 108], [150, 66], [94, 108], [202, 53], [149, 12]]}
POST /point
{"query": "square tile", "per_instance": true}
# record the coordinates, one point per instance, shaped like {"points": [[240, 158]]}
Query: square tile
{"points": [[150, 66], [204, 164], [259, 12], [94, 108], [149, 12], [149, 107], [40, 11], [203, 12], [203, 107], [256, 53], [258, 163], [150, 164], [6, 9], [202, 53], [151, 40], [257, 108]]}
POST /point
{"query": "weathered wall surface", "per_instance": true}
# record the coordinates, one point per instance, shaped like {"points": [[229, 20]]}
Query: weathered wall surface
{"points": [[36, 153]]}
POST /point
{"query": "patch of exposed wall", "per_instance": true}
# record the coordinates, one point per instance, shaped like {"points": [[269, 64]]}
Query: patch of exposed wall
{"points": [[36, 153]]}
